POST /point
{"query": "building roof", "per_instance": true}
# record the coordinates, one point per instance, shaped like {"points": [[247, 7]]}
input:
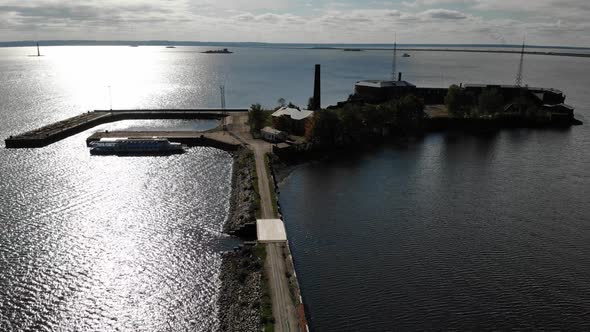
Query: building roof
{"points": [[566, 106], [293, 113], [384, 84], [271, 130], [509, 86], [270, 230]]}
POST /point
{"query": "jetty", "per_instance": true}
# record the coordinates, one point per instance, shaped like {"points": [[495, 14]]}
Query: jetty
{"points": [[60, 130], [214, 138], [287, 303]]}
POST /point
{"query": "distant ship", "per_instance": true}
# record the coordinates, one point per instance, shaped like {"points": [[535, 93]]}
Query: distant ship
{"points": [[406, 55], [133, 45], [352, 50], [135, 146], [223, 51], [170, 46]]}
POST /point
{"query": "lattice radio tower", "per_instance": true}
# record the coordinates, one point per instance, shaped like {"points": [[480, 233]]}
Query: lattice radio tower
{"points": [[393, 63], [520, 65]]}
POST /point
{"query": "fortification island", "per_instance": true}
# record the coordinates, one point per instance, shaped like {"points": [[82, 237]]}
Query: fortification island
{"points": [[221, 51], [379, 110]]}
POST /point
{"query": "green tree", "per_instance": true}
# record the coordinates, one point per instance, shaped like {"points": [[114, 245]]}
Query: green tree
{"points": [[282, 102], [325, 127], [458, 102], [373, 116], [291, 105], [257, 117], [490, 101], [409, 112], [351, 122]]}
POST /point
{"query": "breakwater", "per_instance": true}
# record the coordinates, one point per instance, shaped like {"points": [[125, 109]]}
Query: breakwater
{"points": [[57, 131]]}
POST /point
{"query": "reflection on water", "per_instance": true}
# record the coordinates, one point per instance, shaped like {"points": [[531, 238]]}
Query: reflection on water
{"points": [[453, 232], [111, 243]]}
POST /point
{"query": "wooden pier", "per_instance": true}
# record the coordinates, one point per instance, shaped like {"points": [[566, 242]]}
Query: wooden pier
{"points": [[57, 131]]}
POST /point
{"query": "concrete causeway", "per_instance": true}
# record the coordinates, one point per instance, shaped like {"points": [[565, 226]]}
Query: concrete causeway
{"points": [[279, 263], [59, 130]]}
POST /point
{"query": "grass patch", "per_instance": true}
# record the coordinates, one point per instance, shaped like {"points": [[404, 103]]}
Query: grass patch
{"points": [[259, 118], [271, 187], [266, 317]]}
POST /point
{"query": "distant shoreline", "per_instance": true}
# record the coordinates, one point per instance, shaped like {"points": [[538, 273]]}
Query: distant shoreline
{"points": [[465, 48], [79, 42], [581, 55]]}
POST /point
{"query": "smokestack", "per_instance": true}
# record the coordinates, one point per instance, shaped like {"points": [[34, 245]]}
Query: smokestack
{"points": [[399, 76], [317, 93]]}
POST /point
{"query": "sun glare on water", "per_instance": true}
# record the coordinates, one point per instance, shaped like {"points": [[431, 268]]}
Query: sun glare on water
{"points": [[95, 76]]}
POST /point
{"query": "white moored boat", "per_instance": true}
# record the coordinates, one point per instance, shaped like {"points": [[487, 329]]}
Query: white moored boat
{"points": [[126, 146]]}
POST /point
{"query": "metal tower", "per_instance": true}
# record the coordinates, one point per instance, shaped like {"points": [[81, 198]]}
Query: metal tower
{"points": [[520, 66], [393, 64]]}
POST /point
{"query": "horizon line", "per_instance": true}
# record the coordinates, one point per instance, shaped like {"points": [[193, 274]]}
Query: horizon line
{"points": [[164, 42]]}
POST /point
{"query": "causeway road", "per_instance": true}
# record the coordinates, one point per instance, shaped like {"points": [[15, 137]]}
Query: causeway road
{"points": [[283, 307]]}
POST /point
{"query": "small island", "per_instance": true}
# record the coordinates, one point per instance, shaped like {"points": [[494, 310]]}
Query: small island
{"points": [[380, 110], [221, 51]]}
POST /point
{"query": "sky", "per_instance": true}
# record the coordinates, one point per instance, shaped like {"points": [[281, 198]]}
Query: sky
{"points": [[544, 22]]}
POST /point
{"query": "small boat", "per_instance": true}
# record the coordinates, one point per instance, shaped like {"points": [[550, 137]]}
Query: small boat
{"points": [[223, 51], [135, 146], [406, 55], [170, 46], [352, 50]]}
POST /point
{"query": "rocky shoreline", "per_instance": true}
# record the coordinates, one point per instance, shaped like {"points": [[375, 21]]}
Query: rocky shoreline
{"points": [[241, 269], [244, 199], [239, 300]]}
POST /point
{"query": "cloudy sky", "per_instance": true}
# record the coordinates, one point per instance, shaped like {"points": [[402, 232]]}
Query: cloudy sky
{"points": [[545, 22]]}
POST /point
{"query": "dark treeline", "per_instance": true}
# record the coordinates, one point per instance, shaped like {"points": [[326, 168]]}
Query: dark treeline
{"points": [[353, 123]]}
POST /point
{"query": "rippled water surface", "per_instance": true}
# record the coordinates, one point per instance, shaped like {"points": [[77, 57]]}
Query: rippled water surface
{"points": [[452, 231], [447, 232], [106, 243]]}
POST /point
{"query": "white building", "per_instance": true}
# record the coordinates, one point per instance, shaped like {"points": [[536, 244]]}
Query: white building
{"points": [[293, 113], [273, 135]]}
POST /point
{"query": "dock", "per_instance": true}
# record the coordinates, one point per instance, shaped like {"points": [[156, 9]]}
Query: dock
{"points": [[60, 130], [216, 138]]}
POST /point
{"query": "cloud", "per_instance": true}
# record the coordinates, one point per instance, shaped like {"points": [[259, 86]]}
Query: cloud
{"points": [[314, 21], [444, 14], [419, 3]]}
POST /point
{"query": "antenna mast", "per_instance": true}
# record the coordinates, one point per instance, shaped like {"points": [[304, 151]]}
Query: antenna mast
{"points": [[520, 65], [393, 64]]}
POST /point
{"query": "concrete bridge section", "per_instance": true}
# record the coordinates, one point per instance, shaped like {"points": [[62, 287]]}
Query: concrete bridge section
{"points": [[57, 131]]}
